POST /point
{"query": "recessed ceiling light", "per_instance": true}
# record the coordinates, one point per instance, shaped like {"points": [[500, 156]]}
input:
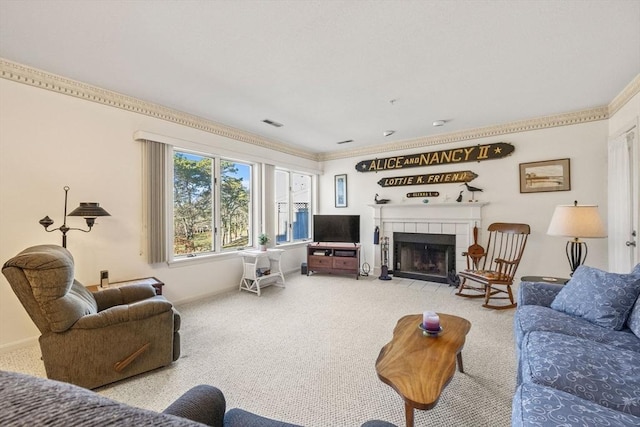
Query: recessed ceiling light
{"points": [[388, 132], [345, 142], [439, 123], [272, 123]]}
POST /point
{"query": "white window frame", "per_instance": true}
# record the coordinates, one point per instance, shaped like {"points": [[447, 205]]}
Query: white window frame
{"points": [[216, 208], [291, 205]]}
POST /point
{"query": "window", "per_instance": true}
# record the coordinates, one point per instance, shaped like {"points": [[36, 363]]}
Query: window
{"points": [[211, 204], [192, 204], [235, 204], [293, 206]]}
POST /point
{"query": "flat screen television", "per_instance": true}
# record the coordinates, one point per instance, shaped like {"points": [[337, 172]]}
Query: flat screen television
{"points": [[336, 228]]}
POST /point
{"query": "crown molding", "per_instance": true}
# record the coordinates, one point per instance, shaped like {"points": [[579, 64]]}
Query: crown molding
{"points": [[566, 119], [31, 76], [625, 96]]}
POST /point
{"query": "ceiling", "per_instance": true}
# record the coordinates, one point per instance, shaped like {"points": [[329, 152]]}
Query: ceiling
{"points": [[332, 71]]}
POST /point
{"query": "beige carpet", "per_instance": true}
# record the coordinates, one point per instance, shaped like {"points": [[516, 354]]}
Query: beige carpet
{"points": [[306, 353]]}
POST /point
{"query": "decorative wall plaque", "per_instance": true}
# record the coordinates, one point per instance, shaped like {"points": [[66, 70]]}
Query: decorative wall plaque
{"points": [[423, 194], [475, 153], [430, 178]]}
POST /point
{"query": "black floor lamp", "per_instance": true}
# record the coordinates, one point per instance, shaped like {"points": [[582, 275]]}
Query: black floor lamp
{"points": [[576, 221], [89, 210]]}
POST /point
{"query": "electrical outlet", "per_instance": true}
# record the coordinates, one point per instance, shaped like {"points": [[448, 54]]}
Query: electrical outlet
{"points": [[104, 278]]}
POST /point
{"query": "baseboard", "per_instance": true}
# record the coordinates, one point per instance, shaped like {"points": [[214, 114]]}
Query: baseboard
{"points": [[26, 342], [223, 291], [182, 301]]}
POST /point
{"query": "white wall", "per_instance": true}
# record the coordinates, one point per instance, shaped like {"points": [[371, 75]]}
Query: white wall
{"points": [[584, 144], [49, 140]]}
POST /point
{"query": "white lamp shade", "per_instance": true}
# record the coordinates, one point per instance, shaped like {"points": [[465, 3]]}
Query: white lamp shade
{"points": [[576, 221]]}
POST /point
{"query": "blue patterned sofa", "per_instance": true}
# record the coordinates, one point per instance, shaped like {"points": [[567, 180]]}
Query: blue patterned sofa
{"points": [[578, 350]]}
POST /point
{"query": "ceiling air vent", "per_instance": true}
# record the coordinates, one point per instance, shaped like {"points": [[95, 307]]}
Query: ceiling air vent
{"points": [[272, 123], [345, 142]]}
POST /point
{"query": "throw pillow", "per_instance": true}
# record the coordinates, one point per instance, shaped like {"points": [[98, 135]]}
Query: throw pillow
{"points": [[634, 318], [599, 297]]}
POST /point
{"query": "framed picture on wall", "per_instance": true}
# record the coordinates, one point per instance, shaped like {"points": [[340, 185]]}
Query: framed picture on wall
{"points": [[549, 175], [341, 190]]}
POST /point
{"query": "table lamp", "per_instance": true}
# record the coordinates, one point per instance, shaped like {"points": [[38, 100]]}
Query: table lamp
{"points": [[576, 221]]}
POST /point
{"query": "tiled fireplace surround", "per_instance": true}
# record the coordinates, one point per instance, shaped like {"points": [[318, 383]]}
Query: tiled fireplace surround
{"points": [[431, 218]]}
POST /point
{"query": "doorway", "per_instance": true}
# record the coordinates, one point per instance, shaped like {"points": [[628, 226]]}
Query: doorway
{"points": [[623, 203]]}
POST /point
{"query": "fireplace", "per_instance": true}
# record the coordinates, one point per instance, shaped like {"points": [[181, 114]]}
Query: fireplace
{"points": [[423, 256], [457, 219]]}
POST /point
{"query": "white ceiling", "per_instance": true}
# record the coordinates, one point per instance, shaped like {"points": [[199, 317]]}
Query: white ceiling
{"points": [[328, 69]]}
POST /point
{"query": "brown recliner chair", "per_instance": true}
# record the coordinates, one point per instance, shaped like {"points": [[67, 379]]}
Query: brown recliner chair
{"points": [[92, 339]]}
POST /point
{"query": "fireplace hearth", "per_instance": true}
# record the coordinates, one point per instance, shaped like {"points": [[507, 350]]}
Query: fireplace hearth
{"points": [[423, 256]]}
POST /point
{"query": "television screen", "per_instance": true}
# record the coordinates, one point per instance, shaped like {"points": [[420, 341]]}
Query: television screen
{"points": [[336, 228]]}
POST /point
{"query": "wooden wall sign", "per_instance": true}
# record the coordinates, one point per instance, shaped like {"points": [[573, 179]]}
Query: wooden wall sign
{"points": [[474, 153], [423, 194], [430, 178]]}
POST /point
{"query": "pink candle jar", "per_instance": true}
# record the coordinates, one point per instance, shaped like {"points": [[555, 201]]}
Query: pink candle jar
{"points": [[431, 321]]}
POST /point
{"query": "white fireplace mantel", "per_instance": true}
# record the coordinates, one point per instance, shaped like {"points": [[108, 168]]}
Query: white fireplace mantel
{"points": [[433, 218], [445, 211]]}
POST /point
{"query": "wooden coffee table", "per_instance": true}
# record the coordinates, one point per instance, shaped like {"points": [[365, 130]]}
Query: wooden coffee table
{"points": [[419, 367]]}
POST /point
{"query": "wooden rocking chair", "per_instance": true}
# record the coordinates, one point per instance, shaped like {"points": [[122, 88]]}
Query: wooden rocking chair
{"points": [[496, 266]]}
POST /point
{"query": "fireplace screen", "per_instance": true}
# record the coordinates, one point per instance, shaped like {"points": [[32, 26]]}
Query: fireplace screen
{"points": [[429, 257]]}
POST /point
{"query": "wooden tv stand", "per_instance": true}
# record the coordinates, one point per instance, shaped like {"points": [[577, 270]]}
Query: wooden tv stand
{"points": [[337, 258]]}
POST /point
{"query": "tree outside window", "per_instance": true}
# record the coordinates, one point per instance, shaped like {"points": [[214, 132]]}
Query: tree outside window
{"points": [[235, 202], [192, 206], [195, 222]]}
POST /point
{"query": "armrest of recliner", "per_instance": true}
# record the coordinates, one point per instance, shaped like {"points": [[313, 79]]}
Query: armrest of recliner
{"points": [[124, 313], [203, 403], [537, 293], [123, 295]]}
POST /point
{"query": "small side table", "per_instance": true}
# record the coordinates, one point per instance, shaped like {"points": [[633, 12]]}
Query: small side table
{"points": [[253, 278], [157, 284], [545, 279]]}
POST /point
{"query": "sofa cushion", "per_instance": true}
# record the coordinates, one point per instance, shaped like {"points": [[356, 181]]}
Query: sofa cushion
{"points": [[535, 405], [537, 293], [241, 418], [537, 318], [603, 374], [31, 401], [598, 296]]}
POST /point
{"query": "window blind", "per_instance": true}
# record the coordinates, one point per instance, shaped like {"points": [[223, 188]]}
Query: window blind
{"points": [[156, 156]]}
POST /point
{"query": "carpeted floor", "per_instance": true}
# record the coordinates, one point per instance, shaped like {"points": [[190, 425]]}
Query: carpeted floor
{"points": [[305, 354]]}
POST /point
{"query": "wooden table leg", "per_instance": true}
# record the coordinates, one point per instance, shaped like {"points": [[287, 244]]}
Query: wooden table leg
{"points": [[408, 410], [460, 367]]}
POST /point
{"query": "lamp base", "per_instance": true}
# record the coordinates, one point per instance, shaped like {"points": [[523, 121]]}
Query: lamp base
{"points": [[576, 254]]}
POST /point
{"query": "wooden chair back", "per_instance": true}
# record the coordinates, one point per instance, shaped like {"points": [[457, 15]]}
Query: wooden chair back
{"points": [[504, 249], [496, 267]]}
